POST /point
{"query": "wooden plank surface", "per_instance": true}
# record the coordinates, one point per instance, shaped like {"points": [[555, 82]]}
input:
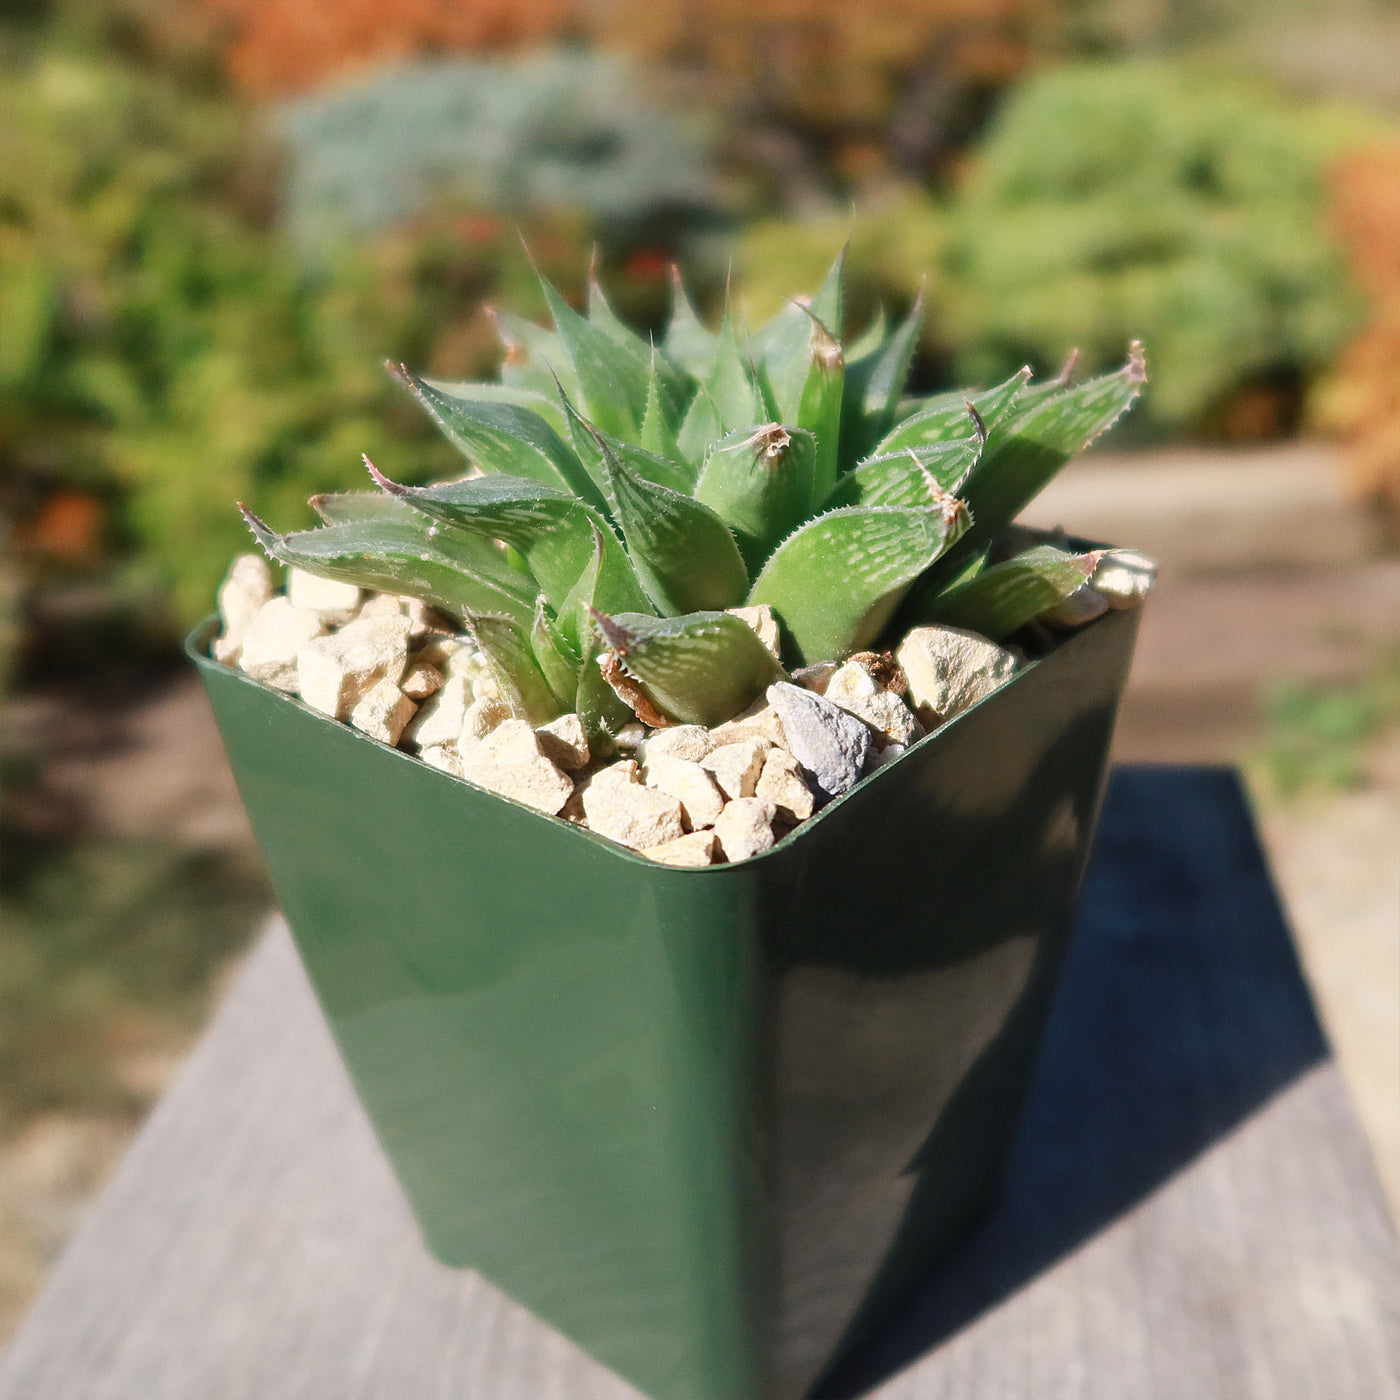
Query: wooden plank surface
{"points": [[1191, 1213]]}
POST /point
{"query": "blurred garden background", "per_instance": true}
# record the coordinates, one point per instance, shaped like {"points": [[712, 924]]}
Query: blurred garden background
{"points": [[218, 217]]}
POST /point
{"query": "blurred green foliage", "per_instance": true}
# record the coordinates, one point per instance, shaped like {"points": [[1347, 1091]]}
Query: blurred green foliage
{"points": [[1316, 737], [159, 349], [1166, 201], [165, 354]]}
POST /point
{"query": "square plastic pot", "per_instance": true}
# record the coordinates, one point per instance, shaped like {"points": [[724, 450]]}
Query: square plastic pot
{"points": [[710, 1124]]}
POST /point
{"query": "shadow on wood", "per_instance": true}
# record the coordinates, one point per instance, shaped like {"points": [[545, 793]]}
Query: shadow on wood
{"points": [[1183, 1009]]}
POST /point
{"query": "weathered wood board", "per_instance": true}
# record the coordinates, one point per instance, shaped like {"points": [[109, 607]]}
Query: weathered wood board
{"points": [[1191, 1213]]}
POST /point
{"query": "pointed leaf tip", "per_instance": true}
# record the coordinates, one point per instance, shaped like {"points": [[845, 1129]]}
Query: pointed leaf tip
{"points": [[616, 636], [1066, 371], [382, 481], [265, 535]]}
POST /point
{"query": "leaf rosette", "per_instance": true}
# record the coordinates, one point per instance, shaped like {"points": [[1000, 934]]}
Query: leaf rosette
{"points": [[621, 496]]}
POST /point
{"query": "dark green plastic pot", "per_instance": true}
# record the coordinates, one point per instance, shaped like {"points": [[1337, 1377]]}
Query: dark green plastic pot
{"points": [[711, 1124]]}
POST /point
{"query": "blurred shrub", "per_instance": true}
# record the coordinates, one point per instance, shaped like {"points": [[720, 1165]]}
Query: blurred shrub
{"points": [[163, 354], [1163, 201], [1361, 400], [1113, 201], [563, 130]]}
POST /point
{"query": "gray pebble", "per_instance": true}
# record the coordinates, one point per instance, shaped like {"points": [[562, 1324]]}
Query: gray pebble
{"points": [[829, 744]]}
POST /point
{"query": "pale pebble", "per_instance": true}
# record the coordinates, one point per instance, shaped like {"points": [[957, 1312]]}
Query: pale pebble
{"points": [[333, 600], [745, 828], [631, 814], [565, 743], [443, 756], [382, 712], [335, 671], [815, 677], [421, 680], [479, 719], [949, 668], [509, 761], [1124, 577], [829, 744], [273, 639], [381, 605], [782, 783], [691, 785], [697, 849], [760, 618], [688, 741], [440, 720], [736, 766], [245, 591], [759, 721]]}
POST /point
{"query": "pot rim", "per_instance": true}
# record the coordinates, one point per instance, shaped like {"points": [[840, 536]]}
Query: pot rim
{"points": [[197, 644]]}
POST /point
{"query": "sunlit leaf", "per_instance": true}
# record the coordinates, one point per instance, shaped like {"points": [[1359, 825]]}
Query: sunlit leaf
{"points": [[836, 582], [702, 668]]}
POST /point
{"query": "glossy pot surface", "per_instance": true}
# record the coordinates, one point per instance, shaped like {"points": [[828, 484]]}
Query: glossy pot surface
{"points": [[711, 1124]]}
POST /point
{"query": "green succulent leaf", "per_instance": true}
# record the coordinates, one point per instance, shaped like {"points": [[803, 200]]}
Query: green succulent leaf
{"points": [[354, 507], [684, 554], [688, 341], [589, 441], [900, 479], [946, 417], [968, 570], [658, 435], [874, 382], [574, 616], [488, 391], [535, 357], [760, 481], [458, 577], [828, 302], [554, 532], [553, 656], [503, 438], [837, 581], [700, 426], [870, 339], [730, 383], [506, 644], [1004, 597], [702, 668], [819, 410], [612, 377], [624, 479], [1025, 449], [599, 707], [600, 312], [784, 345]]}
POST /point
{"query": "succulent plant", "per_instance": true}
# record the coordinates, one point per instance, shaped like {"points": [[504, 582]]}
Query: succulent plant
{"points": [[626, 495]]}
